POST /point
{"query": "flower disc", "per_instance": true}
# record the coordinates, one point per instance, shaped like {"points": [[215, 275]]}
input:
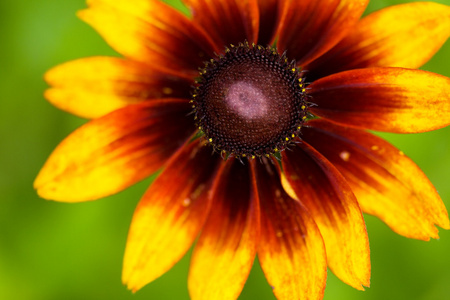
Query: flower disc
{"points": [[250, 101]]}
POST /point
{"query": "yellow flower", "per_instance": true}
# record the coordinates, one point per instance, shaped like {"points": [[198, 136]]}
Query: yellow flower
{"points": [[247, 80]]}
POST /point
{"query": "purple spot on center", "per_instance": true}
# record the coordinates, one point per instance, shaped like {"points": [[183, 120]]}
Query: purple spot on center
{"points": [[246, 100]]}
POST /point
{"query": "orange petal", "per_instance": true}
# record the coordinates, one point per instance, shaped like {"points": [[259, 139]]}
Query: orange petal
{"points": [[109, 154], [329, 199], [92, 87], [170, 216], [227, 22], [386, 183], [291, 249], [269, 15], [151, 32], [405, 35], [384, 99], [226, 249], [309, 28]]}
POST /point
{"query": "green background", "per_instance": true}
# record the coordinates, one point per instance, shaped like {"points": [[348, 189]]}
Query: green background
{"points": [[51, 250]]}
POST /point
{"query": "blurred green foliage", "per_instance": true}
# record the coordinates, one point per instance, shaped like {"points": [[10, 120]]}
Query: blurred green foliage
{"points": [[51, 250]]}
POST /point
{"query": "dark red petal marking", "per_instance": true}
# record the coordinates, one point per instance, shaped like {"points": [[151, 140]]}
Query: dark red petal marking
{"points": [[384, 99], [405, 35], [92, 87], [269, 17], [226, 249], [291, 250], [227, 22], [386, 183], [170, 215], [309, 28], [151, 32], [113, 152], [329, 199]]}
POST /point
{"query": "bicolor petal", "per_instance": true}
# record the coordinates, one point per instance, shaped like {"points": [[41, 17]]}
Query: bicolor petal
{"points": [[405, 35], [291, 249], [226, 249], [327, 196], [170, 215], [111, 153], [92, 87], [309, 28], [166, 38], [386, 183], [384, 99], [227, 22]]}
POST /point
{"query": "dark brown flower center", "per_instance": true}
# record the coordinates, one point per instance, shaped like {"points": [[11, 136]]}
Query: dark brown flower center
{"points": [[250, 101]]}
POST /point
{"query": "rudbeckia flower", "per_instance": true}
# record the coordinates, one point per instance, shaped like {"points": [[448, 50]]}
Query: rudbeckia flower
{"points": [[258, 115]]}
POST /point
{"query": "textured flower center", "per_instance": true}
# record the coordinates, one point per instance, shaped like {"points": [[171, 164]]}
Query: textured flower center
{"points": [[250, 101]]}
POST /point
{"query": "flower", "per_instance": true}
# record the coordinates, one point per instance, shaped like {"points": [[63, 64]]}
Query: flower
{"points": [[331, 76]]}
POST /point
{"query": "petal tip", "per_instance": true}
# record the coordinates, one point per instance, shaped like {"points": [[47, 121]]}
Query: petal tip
{"points": [[40, 186], [361, 283], [129, 283], [445, 222], [84, 15]]}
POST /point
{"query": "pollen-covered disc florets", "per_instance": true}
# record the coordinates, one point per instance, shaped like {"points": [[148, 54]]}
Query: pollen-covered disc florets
{"points": [[250, 101]]}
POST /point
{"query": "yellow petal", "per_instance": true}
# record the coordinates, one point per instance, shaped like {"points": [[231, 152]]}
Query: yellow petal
{"points": [[226, 249], [309, 28], [291, 250], [384, 99], [329, 199], [111, 153], [385, 181], [92, 87], [151, 32], [405, 35], [169, 216]]}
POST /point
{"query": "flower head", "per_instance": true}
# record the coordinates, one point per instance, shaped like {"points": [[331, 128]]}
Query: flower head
{"points": [[282, 93]]}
